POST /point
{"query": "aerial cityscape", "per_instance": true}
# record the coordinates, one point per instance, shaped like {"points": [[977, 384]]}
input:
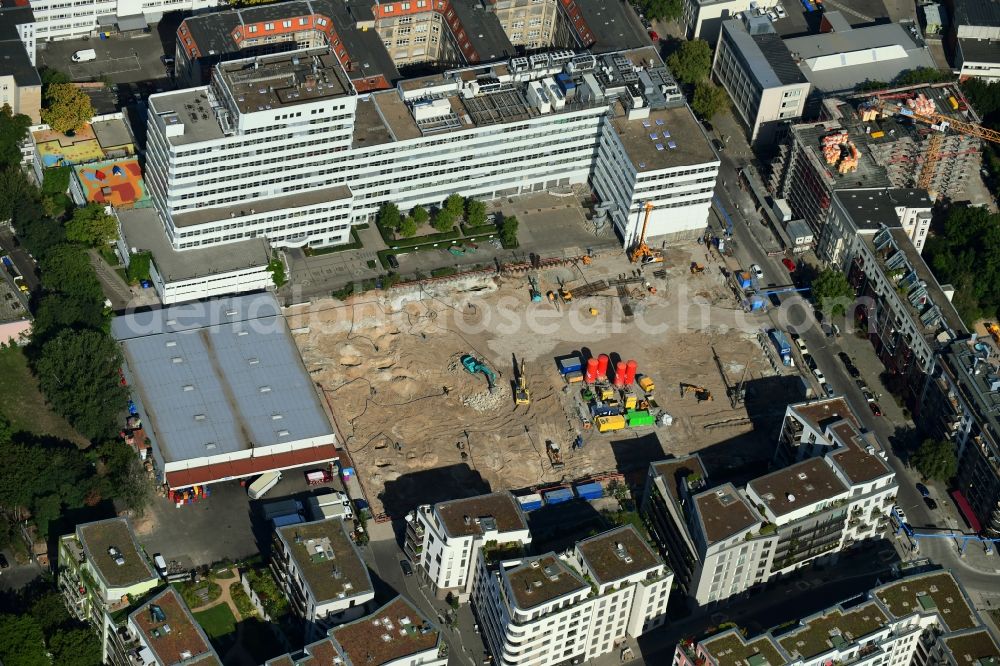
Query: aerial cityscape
{"points": [[499, 332]]}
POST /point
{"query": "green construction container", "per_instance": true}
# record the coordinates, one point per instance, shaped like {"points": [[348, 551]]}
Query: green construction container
{"points": [[636, 418]]}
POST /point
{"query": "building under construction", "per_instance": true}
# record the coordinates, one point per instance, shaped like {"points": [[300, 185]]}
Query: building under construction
{"points": [[889, 146]]}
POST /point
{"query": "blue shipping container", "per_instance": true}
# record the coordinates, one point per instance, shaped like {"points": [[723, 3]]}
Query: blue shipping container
{"points": [[569, 364], [288, 519], [558, 496], [590, 491], [530, 502]]}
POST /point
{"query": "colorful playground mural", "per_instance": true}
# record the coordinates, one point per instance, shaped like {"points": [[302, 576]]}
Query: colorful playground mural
{"points": [[112, 182], [57, 149]]}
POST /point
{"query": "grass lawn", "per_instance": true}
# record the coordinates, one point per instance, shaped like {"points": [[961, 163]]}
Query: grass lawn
{"points": [[217, 621], [23, 405]]}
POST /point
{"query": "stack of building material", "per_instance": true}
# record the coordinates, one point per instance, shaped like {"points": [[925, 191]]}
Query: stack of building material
{"points": [[830, 144], [921, 105]]}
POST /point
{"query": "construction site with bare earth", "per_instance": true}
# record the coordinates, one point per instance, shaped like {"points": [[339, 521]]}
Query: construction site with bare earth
{"points": [[523, 381]]}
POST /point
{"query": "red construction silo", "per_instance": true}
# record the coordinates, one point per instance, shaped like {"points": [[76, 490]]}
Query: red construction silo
{"points": [[590, 376], [620, 374], [630, 369], [602, 366]]}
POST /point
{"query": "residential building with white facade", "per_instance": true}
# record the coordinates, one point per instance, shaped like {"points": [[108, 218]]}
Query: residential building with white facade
{"points": [[397, 634], [703, 19], [573, 607], [20, 85], [975, 36], [69, 19], [443, 539], [921, 619], [490, 131], [864, 210], [761, 76], [102, 570], [320, 569], [824, 498]]}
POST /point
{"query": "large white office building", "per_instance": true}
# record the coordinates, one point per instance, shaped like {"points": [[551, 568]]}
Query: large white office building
{"points": [[283, 146], [68, 19], [562, 609]]}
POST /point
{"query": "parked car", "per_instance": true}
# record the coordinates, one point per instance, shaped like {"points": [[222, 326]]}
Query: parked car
{"points": [[869, 397], [654, 36], [923, 490], [801, 344], [393, 261], [757, 271], [853, 371], [789, 264], [810, 361], [818, 374], [845, 358], [931, 504], [4, 564], [900, 514], [829, 390], [780, 11], [719, 146], [876, 410], [406, 567], [861, 385]]}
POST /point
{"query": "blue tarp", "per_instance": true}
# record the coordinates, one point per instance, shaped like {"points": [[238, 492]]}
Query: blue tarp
{"points": [[589, 491], [559, 496]]}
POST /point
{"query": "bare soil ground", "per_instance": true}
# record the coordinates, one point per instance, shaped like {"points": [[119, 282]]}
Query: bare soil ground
{"points": [[420, 428]]}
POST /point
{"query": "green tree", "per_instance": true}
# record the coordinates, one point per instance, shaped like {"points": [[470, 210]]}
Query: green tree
{"points": [[37, 231], [58, 311], [14, 187], [668, 10], [277, 268], [388, 216], [13, 130], [91, 226], [475, 212], [76, 646], [49, 611], [408, 227], [22, 642], [709, 99], [912, 77], [965, 252], [832, 292], [67, 269], [508, 231], [420, 215], [936, 460], [692, 62], [67, 108], [985, 97], [871, 84], [78, 374], [51, 76], [454, 205], [443, 220]]}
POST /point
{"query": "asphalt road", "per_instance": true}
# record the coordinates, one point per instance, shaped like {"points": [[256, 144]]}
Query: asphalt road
{"points": [[824, 350]]}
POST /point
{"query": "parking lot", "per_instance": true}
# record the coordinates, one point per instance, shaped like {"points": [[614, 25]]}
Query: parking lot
{"points": [[120, 58], [219, 527]]}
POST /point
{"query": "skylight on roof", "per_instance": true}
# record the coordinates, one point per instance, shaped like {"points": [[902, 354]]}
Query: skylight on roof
{"points": [[654, 136], [659, 121], [659, 146]]}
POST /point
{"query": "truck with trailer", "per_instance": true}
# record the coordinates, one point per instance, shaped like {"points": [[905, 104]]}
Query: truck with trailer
{"points": [[781, 343]]}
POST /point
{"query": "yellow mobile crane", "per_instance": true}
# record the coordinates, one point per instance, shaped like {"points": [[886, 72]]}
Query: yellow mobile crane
{"points": [[641, 251]]}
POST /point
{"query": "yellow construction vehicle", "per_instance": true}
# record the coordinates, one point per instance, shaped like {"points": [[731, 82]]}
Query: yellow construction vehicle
{"points": [[555, 455], [701, 393], [522, 396], [642, 252], [645, 383], [994, 331]]}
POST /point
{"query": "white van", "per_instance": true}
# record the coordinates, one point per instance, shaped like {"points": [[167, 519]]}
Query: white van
{"points": [[86, 55], [263, 483], [161, 565]]}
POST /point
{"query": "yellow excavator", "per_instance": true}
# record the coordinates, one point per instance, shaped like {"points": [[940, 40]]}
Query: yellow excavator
{"points": [[701, 393], [642, 252], [522, 396]]}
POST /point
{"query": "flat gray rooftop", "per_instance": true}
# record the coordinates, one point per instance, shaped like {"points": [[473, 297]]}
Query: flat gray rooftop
{"points": [[219, 377], [111, 133], [191, 108], [283, 80], [667, 138], [295, 200], [143, 230]]}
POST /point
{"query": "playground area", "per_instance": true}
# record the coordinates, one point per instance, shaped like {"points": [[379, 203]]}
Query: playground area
{"points": [[97, 140], [112, 182], [422, 425]]}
